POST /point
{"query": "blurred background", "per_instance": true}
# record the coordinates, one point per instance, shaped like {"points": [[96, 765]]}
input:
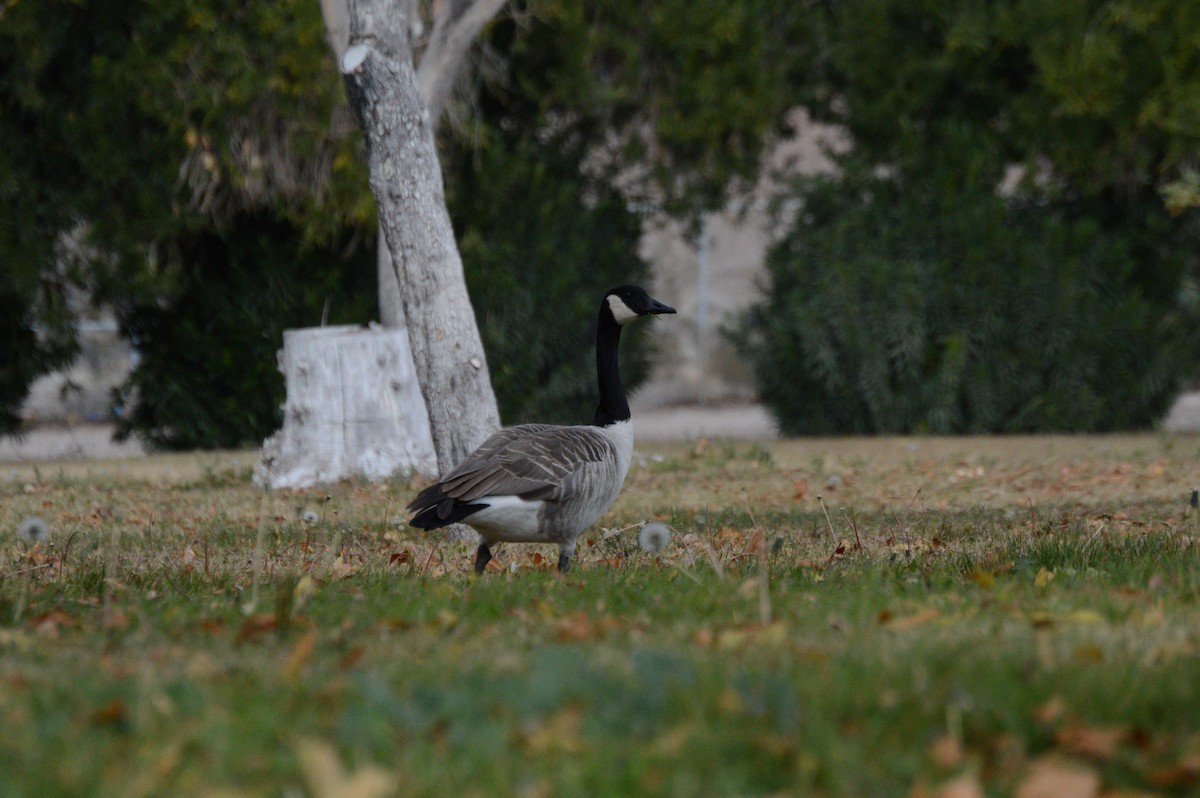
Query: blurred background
{"points": [[874, 216]]}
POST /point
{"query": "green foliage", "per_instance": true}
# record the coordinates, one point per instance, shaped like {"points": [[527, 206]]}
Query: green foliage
{"points": [[922, 304], [689, 93], [206, 375], [134, 129], [994, 254], [540, 246], [35, 335], [1102, 94]]}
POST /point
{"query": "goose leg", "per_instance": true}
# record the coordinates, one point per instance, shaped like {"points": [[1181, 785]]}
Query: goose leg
{"points": [[564, 563], [483, 555]]}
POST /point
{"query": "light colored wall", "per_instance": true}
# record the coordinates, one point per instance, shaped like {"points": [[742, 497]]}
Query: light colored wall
{"points": [[695, 361]]}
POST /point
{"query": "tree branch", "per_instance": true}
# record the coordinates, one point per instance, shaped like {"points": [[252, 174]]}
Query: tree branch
{"points": [[457, 25]]}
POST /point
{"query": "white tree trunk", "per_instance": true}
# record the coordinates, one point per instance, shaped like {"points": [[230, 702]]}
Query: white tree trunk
{"points": [[353, 409], [406, 179]]}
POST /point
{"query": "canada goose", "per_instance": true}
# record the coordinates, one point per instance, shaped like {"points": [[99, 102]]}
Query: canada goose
{"points": [[540, 483]]}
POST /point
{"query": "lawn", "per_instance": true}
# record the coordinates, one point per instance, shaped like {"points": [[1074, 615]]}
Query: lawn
{"points": [[916, 616]]}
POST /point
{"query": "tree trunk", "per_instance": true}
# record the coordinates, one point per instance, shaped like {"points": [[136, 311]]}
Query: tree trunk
{"points": [[406, 179]]}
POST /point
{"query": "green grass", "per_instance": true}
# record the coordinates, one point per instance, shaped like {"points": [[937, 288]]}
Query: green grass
{"points": [[1014, 602]]}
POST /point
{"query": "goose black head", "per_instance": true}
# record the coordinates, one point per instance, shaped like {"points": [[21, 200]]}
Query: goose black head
{"points": [[628, 302]]}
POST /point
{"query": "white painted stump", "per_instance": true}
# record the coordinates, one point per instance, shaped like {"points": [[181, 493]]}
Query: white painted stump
{"points": [[353, 409]]}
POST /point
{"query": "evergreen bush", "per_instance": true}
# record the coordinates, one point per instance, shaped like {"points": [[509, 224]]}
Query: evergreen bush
{"points": [[930, 304], [540, 245], [207, 374]]}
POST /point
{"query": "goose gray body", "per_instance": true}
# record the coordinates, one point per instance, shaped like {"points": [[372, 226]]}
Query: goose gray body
{"points": [[542, 483]]}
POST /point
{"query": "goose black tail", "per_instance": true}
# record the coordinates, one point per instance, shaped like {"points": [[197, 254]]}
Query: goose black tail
{"points": [[435, 509]]}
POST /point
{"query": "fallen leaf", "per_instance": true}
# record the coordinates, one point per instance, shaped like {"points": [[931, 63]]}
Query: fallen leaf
{"points": [[115, 619], [256, 625], [351, 658], [965, 786], [327, 778], [581, 626], [757, 543], [1094, 742], [1043, 578], [299, 656], [1050, 711], [1184, 773], [917, 619], [212, 626], [114, 713], [1055, 777], [574, 628], [48, 624], [946, 752]]}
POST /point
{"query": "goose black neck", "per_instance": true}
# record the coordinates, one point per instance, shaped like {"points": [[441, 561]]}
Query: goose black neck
{"points": [[612, 407]]}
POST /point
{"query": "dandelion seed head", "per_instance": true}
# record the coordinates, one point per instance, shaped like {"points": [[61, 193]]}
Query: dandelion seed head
{"points": [[310, 517], [654, 536], [33, 530]]}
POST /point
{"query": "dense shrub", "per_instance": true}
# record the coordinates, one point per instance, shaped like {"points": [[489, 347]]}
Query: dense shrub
{"points": [[207, 375], [24, 354], [927, 304], [540, 246]]}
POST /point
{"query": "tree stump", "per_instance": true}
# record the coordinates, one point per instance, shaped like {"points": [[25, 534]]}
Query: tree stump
{"points": [[353, 409]]}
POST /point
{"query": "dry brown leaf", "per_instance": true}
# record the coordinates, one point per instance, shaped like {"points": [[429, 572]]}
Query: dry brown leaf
{"points": [[114, 713], [256, 625], [1055, 777], [351, 658], [115, 619], [946, 752], [757, 543], [1184, 773], [917, 619], [965, 786], [1050, 711], [1095, 742], [299, 656], [326, 778], [49, 624]]}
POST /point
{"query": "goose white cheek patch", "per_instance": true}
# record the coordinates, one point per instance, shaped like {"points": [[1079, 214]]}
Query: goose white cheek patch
{"points": [[620, 310]]}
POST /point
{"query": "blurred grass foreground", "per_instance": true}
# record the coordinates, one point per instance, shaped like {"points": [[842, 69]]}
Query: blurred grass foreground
{"points": [[899, 616]]}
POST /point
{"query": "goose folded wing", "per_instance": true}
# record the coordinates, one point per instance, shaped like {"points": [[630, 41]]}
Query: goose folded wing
{"points": [[539, 465]]}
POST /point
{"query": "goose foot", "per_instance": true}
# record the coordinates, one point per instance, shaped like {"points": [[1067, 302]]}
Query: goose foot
{"points": [[483, 555], [564, 563]]}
